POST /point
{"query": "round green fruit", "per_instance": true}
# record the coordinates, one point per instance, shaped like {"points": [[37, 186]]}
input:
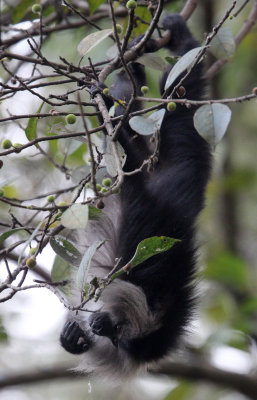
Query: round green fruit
{"points": [[32, 251], [70, 119], [171, 106], [36, 8], [144, 89], [119, 28], [98, 187], [50, 199], [6, 144], [61, 205], [131, 4], [31, 262], [106, 91], [17, 145], [107, 182]]}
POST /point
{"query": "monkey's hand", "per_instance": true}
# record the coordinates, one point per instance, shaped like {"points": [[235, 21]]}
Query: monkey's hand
{"points": [[180, 34], [74, 339], [102, 324]]}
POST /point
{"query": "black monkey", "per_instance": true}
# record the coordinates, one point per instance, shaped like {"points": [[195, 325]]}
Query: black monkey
{"points": [[142, 315]]}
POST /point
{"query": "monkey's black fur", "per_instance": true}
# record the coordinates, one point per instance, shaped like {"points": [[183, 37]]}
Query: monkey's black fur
{"points": [[164, 202]]}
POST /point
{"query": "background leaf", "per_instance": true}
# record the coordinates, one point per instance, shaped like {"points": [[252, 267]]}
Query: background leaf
{"points": [[94, 213], [223, 44], [21, 9], [9, 233], [92, 40], [60, 269], [31, 130], [75, 217], [153, 61], [94, 4]]}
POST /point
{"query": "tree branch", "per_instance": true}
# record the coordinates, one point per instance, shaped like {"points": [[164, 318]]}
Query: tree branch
{"points": [[193, 371]]}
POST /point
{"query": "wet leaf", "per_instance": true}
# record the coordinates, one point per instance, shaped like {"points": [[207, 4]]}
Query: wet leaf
{"points": [[65, 249], [150, 247]]}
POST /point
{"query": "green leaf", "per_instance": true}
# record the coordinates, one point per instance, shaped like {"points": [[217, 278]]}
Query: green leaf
{"points": [[85, 264], [153, 61], [60, 270], [183, 64], [94, 213], [94, 4], [31, 130], [21, 9], [144, 14], [92, 40], [3, 333], [150, 247], [223, 44], [249, 306], [65, 249], [181, 392], [9, 233], [211, 121], [75, 217]]}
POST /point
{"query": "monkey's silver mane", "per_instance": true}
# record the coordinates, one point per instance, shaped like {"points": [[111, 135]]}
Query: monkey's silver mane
{"points": [[121, 299]]}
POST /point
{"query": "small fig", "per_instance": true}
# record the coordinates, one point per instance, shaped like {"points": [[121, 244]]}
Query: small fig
{"points": [[107, 182], [6, 144], [131, 4], [70, 119], [31, 262], [144, 89], [36, 8], [171, 106]]}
